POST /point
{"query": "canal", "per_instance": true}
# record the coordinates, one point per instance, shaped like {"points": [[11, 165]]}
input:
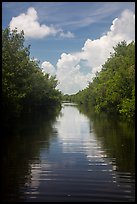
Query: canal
{"points": [[72, 156]]}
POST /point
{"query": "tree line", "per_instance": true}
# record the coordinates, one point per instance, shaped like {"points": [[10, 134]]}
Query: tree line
{"points": [[24, 85], [113, 88]]}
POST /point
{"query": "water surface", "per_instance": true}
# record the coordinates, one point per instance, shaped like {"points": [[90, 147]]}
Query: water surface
{"points": [[73, 156]]}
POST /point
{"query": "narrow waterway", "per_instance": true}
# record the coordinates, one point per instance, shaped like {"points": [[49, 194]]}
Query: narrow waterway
{"points": [[70, 158]]}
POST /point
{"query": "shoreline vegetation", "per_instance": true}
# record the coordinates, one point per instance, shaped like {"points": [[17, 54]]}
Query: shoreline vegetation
{"points": [[25, 88], [113, 89]]}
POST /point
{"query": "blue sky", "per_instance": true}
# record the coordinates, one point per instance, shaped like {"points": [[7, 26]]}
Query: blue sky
{"points": [[61, 34]]}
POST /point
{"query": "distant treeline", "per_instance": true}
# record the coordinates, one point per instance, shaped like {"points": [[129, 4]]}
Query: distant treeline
{"points": [[113, 88], [24, 85]]}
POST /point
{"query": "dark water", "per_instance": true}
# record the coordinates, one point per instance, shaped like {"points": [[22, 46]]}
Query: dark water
{"points": [[70, 156]]}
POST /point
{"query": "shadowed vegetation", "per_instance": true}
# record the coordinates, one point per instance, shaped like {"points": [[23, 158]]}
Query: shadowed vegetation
{"points": [[24, 85]]}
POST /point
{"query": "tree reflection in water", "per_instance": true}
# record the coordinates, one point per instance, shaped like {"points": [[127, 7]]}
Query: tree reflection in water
{"points": [[20, 150], [116, 136]]}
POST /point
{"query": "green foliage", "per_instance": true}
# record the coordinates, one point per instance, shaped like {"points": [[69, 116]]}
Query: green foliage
{"points": [[113, 88], [23, 83], [127, 106]]}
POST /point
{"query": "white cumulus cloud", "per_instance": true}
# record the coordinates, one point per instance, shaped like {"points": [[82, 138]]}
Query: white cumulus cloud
{"points": [[32, 28], [69, 75], [47, 67], [95, 53]]}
